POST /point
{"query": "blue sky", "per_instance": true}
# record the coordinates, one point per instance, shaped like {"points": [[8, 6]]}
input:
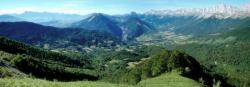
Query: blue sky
{"points": [[106, 6]]}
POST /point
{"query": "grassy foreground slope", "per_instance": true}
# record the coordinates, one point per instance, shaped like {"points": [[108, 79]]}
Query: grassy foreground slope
{"points": [[28, 82], [172, 79]]}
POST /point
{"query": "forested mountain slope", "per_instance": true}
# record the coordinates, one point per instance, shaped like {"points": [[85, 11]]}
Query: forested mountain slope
{"points": [[44, 64], [36, 34]]}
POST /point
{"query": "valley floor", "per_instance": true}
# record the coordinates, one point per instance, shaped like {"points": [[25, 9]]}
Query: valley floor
{"points": [[166, 80]]}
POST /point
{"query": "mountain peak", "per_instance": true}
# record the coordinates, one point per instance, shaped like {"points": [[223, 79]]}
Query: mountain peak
{"points": [[133, 13], [135, 27], [97, 17], [99, 21], [98, 14]]}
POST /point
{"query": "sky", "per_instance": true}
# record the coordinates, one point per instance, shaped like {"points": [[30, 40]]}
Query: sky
{"points": [[106, 6]]}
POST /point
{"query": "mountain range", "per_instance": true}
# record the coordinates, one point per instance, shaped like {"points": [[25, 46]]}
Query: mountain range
{"points": [[195, 22], [9, 18], [219, 11]]}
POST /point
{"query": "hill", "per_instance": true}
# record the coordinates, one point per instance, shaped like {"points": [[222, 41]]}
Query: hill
{"points": [[153, 61], [160, 61], [36, 34], [172, 79], [226, 54], [42, 63]]}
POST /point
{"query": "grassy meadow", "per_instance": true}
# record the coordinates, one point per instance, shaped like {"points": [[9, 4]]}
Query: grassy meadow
{"points": [[172, 79]]}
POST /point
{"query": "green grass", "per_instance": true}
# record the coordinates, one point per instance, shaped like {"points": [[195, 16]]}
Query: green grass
{"points": [[172, 79], [28, 82]]}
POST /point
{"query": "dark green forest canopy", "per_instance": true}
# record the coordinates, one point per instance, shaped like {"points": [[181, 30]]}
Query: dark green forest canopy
{"points": [[159, 61]]}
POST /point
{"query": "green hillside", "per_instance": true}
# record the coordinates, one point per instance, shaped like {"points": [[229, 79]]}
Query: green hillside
{"points": [[28, 82], [230, 58], [172, 79], [42, 63], [143, 63]]}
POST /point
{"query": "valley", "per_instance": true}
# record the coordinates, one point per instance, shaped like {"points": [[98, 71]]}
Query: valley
{"points": [[159, 48]]}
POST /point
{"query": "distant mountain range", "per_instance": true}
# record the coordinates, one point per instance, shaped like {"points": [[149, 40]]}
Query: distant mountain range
{"points": [[191, 25], [9, 18], [128, 27], [220, 11], [39, 17], [44, 18]]}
